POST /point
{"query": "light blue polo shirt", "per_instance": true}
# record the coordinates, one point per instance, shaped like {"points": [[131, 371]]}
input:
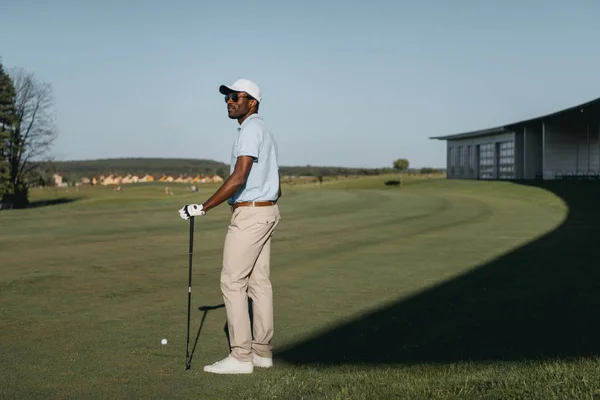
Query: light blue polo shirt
{"points": [[256, 140]]}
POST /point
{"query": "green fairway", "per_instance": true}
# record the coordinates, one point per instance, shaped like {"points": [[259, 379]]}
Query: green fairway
{"points": [[438, 289]]}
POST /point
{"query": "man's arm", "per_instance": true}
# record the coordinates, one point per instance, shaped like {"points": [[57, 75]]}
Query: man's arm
{"points": [[237, 179]]}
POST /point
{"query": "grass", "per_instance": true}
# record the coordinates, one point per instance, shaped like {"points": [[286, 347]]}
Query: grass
{"points": [[439, 289]]}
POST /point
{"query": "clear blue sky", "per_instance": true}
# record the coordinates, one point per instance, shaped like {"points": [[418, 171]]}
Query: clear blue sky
{"points": [[346, 83]]}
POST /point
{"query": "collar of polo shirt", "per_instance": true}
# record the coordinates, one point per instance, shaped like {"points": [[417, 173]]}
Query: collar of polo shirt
{"points": [[246, 121]]}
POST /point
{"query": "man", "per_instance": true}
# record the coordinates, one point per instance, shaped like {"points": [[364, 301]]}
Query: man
{"points": [[251, 190]]}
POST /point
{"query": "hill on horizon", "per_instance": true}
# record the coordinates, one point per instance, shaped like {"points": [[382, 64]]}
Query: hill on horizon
{"points": [[131, 165]]}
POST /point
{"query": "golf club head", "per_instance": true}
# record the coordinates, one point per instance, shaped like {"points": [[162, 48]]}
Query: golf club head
{"points": [[188, 364]]}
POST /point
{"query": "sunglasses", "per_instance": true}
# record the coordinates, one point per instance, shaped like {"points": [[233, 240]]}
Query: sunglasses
{"points": [[236, 96]]}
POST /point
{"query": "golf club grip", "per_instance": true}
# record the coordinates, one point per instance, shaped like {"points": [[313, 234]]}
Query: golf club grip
{"points": [[191, 236]]}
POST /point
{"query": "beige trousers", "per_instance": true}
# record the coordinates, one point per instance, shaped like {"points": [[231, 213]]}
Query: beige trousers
{"points": [[246, 272]]}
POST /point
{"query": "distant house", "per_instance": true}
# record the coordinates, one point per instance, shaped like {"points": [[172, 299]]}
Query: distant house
{"points": [[58, 180], [127, 179], [112, 180], [146, 178], [180, 179], [166, 178], [115, 179]]}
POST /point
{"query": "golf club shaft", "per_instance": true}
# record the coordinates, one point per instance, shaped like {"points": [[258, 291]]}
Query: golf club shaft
{"points": [[191, 251]]}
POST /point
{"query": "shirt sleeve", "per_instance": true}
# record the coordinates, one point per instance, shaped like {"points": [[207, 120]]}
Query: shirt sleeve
{"points": [[250, 141]]}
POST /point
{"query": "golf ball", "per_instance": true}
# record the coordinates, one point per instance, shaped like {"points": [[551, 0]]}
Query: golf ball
{"points": [[164, 341]]}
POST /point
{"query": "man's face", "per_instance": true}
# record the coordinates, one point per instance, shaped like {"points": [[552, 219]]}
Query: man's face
{"points": [[238, 104]]}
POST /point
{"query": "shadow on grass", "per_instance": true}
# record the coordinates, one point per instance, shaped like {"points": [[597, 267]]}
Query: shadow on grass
{"points": [[205, 310], [53, 202], [540, 301]]}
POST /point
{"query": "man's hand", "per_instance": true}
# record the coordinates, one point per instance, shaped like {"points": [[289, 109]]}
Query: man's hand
{"points": [[191, 210]]}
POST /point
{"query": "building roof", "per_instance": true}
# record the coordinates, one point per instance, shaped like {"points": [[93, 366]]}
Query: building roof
{"points": [[576, 110]]}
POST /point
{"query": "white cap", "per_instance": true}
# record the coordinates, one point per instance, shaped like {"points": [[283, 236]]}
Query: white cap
{"points": [[242, 85]]}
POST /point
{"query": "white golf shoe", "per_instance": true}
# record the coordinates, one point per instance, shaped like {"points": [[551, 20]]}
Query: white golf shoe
{"points": [[262, 362], [230, 365]]}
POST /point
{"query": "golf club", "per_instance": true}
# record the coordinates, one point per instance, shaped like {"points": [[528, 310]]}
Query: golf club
{"points": [[188, 361]]}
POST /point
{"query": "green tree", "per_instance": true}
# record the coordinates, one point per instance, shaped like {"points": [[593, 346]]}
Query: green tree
{"points": [[31, 135], [401, 164], [428, 170], [7, 119]]}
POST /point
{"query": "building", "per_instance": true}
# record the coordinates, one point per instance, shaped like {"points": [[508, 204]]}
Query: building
{"points": [[561, 145]]}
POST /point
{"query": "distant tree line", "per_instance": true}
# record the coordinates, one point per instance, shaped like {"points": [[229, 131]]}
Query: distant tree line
{"points": [[139, 166], [177, 166], [72, 170], [317, 171], [402, 165]]}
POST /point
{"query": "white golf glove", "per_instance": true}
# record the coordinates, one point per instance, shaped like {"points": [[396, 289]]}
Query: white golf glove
{"points": [[191, 210]]}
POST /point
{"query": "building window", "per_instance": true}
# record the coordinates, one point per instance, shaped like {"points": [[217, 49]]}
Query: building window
{"points": [[506, 160], [451, 159], [486, 161], [473, 160], [467, 162]]}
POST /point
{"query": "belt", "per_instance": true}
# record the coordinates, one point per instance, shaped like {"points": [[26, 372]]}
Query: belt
{"points": [[252, 204]]}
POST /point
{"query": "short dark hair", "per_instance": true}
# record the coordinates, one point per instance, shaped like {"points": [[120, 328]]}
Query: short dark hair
{"points": [[252, 98]]}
